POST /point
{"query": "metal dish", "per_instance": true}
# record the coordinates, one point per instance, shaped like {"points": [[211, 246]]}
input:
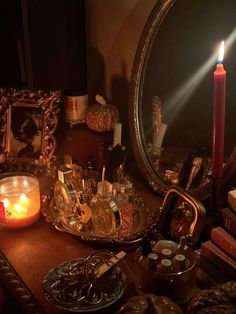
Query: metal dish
{"points": [[66, 287], [143, 218]]}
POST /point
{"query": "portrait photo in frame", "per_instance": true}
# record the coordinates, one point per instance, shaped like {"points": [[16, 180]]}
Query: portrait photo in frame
{"points": [[24, 130], [29, 121]]}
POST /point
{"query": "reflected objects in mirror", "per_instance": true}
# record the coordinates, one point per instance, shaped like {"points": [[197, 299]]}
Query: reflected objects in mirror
{"points": [[171, 96]]}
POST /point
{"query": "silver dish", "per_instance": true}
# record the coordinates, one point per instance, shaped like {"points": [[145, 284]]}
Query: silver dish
{"points": [[143, 218], [74, 297]]}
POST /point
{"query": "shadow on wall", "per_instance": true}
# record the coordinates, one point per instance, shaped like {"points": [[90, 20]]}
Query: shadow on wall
{"points": [[96, 65], [120, 95], [119, 88]]}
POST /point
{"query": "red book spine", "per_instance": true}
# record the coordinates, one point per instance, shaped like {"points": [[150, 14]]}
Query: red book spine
{"points": [[214, 272], [217, 257], [229, 220], [224, 240]]}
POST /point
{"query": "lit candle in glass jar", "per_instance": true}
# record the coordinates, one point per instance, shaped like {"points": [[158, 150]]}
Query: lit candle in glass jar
{"points": [[20, 200]]}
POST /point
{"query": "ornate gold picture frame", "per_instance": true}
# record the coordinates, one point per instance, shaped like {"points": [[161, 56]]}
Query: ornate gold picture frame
{"points": [[28, 121]]}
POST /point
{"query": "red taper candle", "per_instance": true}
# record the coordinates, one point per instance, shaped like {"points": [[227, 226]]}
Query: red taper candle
{"points": [[218, 116]]}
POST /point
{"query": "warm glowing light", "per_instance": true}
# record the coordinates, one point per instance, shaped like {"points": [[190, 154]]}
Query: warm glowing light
{"points": [[221, 52], [18, 208], [23, 198], [20, 196], [26, 183], [5, 202]]}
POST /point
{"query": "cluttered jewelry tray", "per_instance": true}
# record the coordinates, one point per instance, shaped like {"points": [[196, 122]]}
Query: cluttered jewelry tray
{"points": [[142, 219], [71, 286]]}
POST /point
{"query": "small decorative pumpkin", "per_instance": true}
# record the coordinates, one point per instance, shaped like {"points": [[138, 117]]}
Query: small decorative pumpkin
{"points": [[101, 116], [220, 298], [150, 304]]}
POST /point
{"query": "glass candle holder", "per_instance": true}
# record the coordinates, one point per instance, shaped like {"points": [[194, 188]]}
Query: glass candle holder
{"points": [[19, 200]]}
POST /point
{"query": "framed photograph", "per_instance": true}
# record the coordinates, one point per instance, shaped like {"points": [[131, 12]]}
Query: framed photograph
{"points": [[25, 131], [28, 121]]}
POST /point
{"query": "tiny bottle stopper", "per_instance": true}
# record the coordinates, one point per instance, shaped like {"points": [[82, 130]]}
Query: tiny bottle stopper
{"points": [[166, 253], [104, 187], [152, 261], [166, 265], [179, 262]]}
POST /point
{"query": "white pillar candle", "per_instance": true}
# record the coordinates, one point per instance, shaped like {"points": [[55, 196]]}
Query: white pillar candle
{"points": [[117, 134], [159, 136]]}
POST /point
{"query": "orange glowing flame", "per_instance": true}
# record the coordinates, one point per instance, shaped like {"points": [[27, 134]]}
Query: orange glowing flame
{"points": [[221, 52]]}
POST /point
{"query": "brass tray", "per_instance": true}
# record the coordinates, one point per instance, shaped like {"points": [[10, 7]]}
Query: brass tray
{"points": [[143, 218]]}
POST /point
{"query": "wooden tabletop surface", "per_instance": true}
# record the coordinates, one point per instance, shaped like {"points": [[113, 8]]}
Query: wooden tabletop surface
{"points": [[34, 250]]}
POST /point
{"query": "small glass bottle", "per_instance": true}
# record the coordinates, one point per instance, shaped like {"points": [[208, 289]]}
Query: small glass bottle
{"points": [[89, 176], [167, 253], [105, 218], [185, 250], [165, 266], [126, 211], [152, 261], [179, 262]]}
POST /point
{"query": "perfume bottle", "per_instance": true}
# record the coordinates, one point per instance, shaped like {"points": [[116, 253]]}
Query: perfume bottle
{"points": [[105, 220], [124, 182], [89, 175], [126, 211]]}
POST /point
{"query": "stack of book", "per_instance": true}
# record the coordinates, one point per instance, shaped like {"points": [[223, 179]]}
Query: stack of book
{"points": [[217, 258]]}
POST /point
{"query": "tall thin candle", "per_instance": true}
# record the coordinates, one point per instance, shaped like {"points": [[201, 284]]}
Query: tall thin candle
{"points": [[218, 116]]}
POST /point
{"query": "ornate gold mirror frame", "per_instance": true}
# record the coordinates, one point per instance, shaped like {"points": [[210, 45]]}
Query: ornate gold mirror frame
{"points": [[153, 57], [136, 90], [28, 122]]}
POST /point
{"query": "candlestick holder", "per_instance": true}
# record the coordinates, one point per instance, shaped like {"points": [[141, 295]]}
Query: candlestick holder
{"points": [[116, 158], [19, 200]]}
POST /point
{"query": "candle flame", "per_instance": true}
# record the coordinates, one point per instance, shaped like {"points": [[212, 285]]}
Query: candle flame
{"points": [[6, 202], [18, 208], [23, 198], [221, 52]]}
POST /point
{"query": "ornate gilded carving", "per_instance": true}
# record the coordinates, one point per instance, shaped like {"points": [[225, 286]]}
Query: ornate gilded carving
{"points": [[44, 104]]}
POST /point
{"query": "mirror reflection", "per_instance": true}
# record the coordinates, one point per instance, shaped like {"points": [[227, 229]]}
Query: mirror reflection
{"points": [[175, 90]]}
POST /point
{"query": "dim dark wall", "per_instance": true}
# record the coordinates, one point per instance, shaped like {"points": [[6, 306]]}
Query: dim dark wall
{"points": [[113, 31], [43, 44], [57, 42], [10, 34]]}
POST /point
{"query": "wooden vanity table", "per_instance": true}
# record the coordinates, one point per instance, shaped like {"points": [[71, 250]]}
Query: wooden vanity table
{"points": [[34, 250]]}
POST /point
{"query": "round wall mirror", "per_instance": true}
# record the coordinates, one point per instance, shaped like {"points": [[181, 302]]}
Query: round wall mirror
{"points": [[172, 92]]}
